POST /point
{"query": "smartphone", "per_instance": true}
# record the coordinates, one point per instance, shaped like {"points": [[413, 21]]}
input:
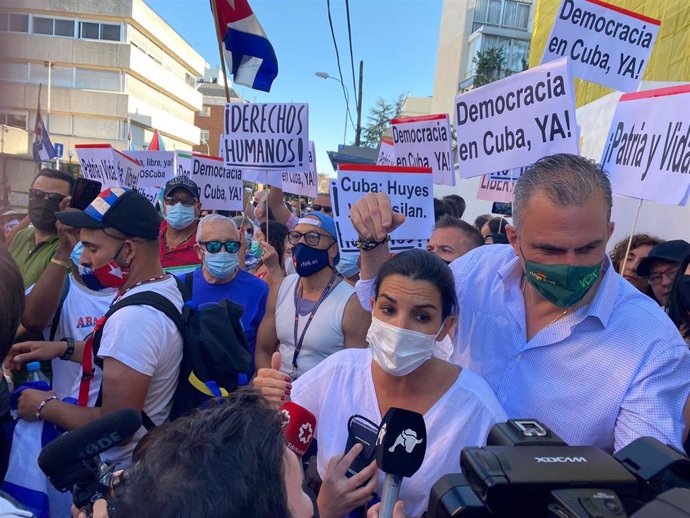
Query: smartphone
{"points": [[361, 430], [84, 192], [504, 209]]}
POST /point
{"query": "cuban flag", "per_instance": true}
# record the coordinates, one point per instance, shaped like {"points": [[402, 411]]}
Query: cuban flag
{"points": [[249, 54], [42, 147]]}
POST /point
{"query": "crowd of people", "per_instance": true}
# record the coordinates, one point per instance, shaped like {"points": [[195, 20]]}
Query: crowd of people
{"points": [[521, 318]]}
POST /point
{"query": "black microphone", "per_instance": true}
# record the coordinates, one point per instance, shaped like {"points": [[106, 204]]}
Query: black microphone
{"points": [[69, 459], [400, 449]]}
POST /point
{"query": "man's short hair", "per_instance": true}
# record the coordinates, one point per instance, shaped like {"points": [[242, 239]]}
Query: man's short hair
{"points": [[227, 461], [56, 175], [458, 204], [567, 180], [473, 236], [208, 219]]}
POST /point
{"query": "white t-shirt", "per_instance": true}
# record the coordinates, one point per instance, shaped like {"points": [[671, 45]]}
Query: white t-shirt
{"points": [[80, 310], [147, 341], [342, 385]]}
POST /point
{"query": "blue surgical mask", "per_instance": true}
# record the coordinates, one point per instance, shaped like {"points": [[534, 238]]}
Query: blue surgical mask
{"points": [[75, 256], [178, 216], [308, 260], [347, 266], [222, 264]]}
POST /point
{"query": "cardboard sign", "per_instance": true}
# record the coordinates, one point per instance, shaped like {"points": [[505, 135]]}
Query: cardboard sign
{"points": [[606, 44], [425, 142], [183, 163], [97, 163], [220, 186], [266, 136], [347, 246], [517, 120], [127, 169], [499, 186], [410, 190], [157, 167], [303, 184], [647, 151], [386, 152]]}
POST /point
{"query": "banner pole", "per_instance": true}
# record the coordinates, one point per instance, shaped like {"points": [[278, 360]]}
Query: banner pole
{"points": [[220, 50], [632, 233]]}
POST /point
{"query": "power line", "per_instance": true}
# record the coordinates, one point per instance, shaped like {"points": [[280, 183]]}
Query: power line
{"points": [[337, 57], [352, 59]]}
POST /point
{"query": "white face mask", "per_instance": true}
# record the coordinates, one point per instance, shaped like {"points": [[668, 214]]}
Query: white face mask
{"points": [[399, 351], [289, 265]]}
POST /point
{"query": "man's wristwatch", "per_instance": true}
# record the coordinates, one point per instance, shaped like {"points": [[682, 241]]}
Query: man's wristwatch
{"points": [[369, 244], [70, 348]]}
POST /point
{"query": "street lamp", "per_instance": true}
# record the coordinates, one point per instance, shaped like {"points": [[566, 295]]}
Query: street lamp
{"points": [[204, 141], [324, 75]]}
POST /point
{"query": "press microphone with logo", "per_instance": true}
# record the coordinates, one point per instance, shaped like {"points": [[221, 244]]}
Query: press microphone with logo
{"points": [[400, 449], [299, 427], [71, 462]]}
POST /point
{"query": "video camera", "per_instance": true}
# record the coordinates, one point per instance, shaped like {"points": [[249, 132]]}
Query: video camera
{"points": [[527, 470]]}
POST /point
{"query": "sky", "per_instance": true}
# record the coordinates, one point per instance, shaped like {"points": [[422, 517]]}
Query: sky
{"points": [[396, 39]]}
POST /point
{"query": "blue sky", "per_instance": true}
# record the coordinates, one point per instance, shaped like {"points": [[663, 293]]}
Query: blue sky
{"points": [[397, 39]]}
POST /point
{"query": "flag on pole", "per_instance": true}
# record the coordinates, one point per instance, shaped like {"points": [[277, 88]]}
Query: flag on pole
{"points": [[250, 56], [42, 147], [156, 142], [130, 146]]}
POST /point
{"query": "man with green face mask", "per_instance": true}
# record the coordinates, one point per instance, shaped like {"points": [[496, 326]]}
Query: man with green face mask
{"points": [[547, 322]]}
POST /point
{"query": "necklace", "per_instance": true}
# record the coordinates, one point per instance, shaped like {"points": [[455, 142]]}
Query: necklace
{"points": [[152, 279], [558, 317]]}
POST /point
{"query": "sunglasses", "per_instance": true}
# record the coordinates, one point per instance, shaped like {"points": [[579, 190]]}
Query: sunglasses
{"points": [[187, 202], [38, 194], [324, 208], [311, 238], [213, 247]]}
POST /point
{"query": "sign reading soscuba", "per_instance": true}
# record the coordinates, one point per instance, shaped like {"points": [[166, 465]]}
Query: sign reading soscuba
{"points": [[517, 120], [425, 142], [499, 186], [409, 188], [647, 151], [266, 136], [386, 152], [98, 163], [303, 184], [605, 43], [220, 186], [157, 167]]}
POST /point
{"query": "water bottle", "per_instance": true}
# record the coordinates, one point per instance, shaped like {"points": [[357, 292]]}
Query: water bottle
{"points": [[35, 374]]}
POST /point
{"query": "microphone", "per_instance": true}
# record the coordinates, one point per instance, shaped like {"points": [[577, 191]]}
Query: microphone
{"points": [[68, 460], [400, 449], [299, 426]]}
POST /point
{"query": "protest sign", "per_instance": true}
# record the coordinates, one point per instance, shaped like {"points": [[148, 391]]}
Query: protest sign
{"points": [[425, 142], [606, 44], [499, 186], [386, 152], [647, 151], [157, 167], [127, 169], [97, 163], [302, 184], [266, 136], [220, 186], [344, 225], [517, 120], [183, 163]]}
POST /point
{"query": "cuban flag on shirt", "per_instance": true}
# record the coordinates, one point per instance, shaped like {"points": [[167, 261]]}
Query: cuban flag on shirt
{"points": [[250, 56], [42, 148]]}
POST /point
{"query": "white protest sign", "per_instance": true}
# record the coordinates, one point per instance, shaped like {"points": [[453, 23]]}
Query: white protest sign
{"points": [[302, 184], [386, 152], [499, 186], [606, 44], [266, 136], [157, 167], [183, 163], [220, 186], [97, 163], [424, 141], [344, 225], [127, 169], [647, 151], [312, 158], [517, 120]]}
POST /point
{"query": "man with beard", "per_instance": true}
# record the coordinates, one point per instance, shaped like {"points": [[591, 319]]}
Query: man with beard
{"points": [[34, 247]]}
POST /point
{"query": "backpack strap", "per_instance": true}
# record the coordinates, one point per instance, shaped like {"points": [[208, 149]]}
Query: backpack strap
{"points": [[58, 311], [186, 285]]}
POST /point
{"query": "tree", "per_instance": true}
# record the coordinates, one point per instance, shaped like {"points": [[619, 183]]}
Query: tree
{"points": [[379, 120], [489, 64]]}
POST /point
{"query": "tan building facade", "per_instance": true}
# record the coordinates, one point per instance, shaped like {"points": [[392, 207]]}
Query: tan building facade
{"points": [[209, 119]]}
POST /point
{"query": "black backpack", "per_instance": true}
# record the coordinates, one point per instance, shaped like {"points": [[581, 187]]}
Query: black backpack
{"points": [[215, 356]]}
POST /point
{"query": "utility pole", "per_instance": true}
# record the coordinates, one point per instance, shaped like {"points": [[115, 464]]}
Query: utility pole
{"points": [[358, 130]]}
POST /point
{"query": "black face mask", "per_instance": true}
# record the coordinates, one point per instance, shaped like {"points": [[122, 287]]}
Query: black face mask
{"points": [[684, 292], [42, 214]]}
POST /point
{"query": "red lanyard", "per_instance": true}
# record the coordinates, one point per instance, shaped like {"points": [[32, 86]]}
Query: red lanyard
{"points": [[298, 303]]}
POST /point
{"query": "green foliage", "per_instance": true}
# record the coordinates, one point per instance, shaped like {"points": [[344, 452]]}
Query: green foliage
{"points": [[379, 120], [489, 66]]}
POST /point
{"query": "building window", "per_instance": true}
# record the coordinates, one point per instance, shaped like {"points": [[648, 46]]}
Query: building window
{"points": [[110, 32], [513, 14], [205, 111], [19, 23], [205, 136], [98, 80], [190, 80], [43, 25], [64, 28], [53, 27], [14, 120], [89, 30]]}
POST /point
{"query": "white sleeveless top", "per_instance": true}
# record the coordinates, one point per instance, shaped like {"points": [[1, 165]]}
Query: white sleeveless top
{"points": [[325, 333]]}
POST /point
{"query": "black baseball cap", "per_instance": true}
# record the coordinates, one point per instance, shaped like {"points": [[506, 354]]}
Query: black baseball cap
{"points": [[672, 251], [119, 208], [182, 182]]}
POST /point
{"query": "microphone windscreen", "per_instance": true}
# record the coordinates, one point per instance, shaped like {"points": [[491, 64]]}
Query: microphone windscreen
{"points": [[88, 441], [401, 442], [299, 427]]}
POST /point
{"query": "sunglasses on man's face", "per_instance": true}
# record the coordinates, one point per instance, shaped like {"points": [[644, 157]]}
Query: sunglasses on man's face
{"points": [[187, 202], [38, 194], [213, 247], [324, 208]]}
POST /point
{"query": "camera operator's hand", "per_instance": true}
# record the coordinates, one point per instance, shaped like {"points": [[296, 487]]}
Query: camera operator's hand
{"points": [[398, 510], [25, 352], [100, 510], [339, 495], [274, 385]]}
